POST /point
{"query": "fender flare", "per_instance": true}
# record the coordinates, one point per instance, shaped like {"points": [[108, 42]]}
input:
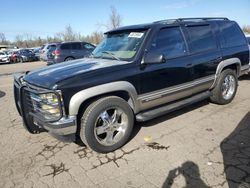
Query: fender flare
{"points": [[224, 64], [83, 95]]}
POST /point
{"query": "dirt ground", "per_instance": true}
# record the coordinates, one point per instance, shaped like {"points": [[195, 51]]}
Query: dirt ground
{"points": [[204, 145]]}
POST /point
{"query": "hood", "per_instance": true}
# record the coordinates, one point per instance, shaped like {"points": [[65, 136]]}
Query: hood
{"points": [[49, 76]]}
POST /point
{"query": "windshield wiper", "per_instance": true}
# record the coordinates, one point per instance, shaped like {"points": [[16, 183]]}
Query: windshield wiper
{"points": [[111, 54]]}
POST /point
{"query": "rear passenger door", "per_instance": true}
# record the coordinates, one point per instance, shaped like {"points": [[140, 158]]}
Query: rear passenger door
{"points": [[76, 50], [204, 54]]}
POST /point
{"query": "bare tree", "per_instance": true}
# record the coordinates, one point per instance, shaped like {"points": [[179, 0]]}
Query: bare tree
{"points": [[3, 39], [115, 19], [68, 34], [19, 41], [246, 29]]}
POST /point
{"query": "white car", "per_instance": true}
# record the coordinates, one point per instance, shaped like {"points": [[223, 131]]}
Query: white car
{"points": [[248, 39], [4, 57]]}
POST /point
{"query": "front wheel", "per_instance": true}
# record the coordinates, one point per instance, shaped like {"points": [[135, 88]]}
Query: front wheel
{"points": [[106, 124], [69, 59], [21, 60], [226, 88]]}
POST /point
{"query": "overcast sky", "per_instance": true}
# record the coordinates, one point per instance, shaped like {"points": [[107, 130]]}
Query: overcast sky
{"points": [[47, 17]]}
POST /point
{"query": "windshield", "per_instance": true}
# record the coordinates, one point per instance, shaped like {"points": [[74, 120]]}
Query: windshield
{"points": [[120, 45]]}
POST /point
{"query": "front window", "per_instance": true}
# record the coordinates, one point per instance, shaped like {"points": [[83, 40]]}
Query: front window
{"points": [[122, 45]]}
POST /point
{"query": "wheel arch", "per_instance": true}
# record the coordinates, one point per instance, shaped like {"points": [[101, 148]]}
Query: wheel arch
{"points": [[121, 89], [68, 57], [232, 63]]}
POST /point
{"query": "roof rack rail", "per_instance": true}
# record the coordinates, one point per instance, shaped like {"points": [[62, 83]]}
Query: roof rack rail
{"points": [[204, 18], [169, 21]]}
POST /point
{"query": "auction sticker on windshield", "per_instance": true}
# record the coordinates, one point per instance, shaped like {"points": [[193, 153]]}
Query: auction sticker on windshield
{"points": [[135, 35]]}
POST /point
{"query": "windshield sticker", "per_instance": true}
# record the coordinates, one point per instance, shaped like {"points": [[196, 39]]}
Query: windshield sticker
{"points": [[135, 35]]}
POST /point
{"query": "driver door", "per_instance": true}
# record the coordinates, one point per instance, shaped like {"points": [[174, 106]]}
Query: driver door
{"points": [[167, 81]]}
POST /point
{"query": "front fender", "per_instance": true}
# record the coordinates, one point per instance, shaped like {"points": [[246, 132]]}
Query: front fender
{"points": [[81, 96]]}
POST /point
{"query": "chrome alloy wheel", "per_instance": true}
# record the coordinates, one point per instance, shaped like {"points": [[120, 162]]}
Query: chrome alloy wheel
{"points": [[111, 126], [228, 87]]}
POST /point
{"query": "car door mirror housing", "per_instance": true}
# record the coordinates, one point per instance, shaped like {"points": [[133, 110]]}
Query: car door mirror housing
{"points": [[152, 58]]}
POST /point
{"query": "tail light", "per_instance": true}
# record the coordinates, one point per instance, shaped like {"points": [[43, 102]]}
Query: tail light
{"points": [[56, 53]]}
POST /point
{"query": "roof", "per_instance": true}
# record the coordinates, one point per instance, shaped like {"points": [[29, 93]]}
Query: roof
{"points": [[168, 22]]}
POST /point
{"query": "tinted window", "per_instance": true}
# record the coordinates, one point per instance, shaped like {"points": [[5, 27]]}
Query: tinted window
{"points": [[169, 41], [89, 46], [231, 35], [66, 46], [52, 48], [201, 38], [76, 46]]}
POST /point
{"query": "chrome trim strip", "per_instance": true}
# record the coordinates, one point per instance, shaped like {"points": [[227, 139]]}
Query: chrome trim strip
{"points": [[245, 67], [161, 93]]}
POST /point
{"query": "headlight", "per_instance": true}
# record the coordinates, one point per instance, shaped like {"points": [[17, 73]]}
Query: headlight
{"points": [[47, 105], [50, 98]]}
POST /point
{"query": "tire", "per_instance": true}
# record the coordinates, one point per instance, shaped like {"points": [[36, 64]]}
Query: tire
{"points": [[21, 60], [221, 94], [113, 118], [69, 59]]}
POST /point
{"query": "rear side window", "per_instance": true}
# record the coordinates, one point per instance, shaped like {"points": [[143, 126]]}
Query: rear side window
{"points": [[231, 35], [201, 38], [66, 46], [88, 46], [76, 46], [52, 48], [169, 41]]}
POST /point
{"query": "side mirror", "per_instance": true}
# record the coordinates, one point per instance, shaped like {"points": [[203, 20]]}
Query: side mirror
{"points": [[152, 57]]}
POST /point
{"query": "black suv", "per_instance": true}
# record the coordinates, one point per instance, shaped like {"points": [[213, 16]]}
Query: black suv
{"points": [[67, 51], [136, 73]]}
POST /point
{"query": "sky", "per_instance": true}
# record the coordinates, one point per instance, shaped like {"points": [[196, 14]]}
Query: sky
{"points": [[46, 17]]}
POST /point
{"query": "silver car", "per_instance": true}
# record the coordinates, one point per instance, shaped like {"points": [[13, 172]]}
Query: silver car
{"points": [[4, 57], [44, 51]]}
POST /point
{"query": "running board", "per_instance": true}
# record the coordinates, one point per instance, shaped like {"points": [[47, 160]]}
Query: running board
{"points": [[151, 114]]}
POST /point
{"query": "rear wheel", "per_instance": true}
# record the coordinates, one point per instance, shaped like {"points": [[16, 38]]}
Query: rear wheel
{"points": [[69, 59], [106, 124], [226, 87]]}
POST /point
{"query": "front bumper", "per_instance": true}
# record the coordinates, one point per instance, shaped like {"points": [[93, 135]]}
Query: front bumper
{"points": [[65, 125]]}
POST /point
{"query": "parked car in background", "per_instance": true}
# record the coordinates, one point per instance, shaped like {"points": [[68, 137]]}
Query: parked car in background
{"points": [[67, 51], [13, 56], [4, 57], [36, 51], [248, 40], [44, 51], [25, 55]]}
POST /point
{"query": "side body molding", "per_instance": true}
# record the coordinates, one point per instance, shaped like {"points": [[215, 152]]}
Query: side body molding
{"points": [[81, 96], [224, 64]]}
